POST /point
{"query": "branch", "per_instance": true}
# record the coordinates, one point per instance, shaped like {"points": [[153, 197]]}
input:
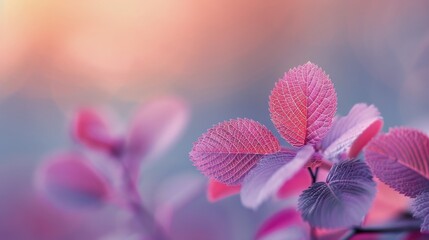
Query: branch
{"points": [[408, 226], [313, 174], [313, 180], [148, 222]]}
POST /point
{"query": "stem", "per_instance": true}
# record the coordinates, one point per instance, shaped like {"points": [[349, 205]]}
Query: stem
{"points": [[313, 180], [313, 234], [313, 174], [408, 226], [148, 222]]}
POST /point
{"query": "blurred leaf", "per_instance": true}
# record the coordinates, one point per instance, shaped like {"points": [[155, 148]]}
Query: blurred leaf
{"points": [[217, 190], [287, 219], [387, 204], [156, 126], [296, 185], [69, 179], [91, 129], [173, 194]]}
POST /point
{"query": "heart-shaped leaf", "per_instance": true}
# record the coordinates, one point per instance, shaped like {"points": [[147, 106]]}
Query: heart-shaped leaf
{"points": [[400, 159], [346, 130], [217, 190], [230, 149], [271, 173], [68, 179], [286, 219], [341, 201], [420, 209], [303, 105], [90, 128]]}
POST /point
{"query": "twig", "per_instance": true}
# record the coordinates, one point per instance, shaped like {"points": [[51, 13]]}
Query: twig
{"points": [[313, 180], [313, 174], [135, 203], [408, 226]]}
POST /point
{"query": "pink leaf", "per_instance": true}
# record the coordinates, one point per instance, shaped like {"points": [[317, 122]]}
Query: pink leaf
{"points": [[353, 131], [287, 218], [400, 159], [217, 190], [303, 104], [91, 129], [365, 137], [156, 127], [270, 174], [387, 204], [296, 185], [68, 178], [230, 149]]}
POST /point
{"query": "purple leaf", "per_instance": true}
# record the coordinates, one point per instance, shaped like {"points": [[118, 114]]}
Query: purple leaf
{"points": [[91, 129], [341, 201], [303, 104], [217, 190], [230, 149], [271, 173], [70, 180], [400, 159], [156, 126], [420, 209], [285, 219], [345, 130]]}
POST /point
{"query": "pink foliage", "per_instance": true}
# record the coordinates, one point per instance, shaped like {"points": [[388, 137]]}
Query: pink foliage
{"points": [[303, 104], [230, 149], [69, 178], [387, 204], [91, 129], [367, 135], [400, 157], [284, 219], [217, 190], [296, 185]]}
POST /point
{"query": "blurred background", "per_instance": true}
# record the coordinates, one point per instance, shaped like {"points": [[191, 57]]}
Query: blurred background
{"points": [[221, 57]]}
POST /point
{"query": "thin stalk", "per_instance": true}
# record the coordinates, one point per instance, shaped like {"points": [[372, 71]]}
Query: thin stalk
{"points": [[408, 226], [135, 204], [313, 175]]}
